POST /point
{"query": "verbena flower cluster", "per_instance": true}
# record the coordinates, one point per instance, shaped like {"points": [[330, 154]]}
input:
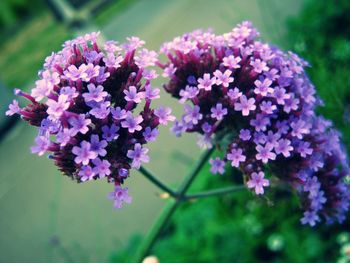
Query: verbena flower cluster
{"points": [[92, 107], [263, 101]]}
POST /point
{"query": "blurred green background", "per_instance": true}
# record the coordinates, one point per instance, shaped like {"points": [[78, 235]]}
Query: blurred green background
{"points": [[47, 218]]}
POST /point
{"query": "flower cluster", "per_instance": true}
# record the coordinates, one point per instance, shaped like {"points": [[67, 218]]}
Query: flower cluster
{"points": [[261, 99], [91, 105]]}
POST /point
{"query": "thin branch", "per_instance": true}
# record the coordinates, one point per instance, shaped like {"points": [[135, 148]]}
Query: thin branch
{"points": [[215, 192], [158, 183], [166, 215]]}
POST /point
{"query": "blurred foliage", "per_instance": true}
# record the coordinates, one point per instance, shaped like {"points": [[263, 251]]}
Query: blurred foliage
{"points": [[23, 55], [11, 11], [321, 35], [243, 228]]}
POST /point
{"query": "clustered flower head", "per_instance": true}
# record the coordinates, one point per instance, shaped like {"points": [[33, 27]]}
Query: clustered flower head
{"points": [[91, 105], [261, 99]]}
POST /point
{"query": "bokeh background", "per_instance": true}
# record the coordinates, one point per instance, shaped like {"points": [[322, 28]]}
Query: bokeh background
{"points": [[45, 217]]}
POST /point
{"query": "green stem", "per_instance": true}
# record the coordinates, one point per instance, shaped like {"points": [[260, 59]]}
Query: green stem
{"points": [[215, 192], [158, 183], [167, 213]]}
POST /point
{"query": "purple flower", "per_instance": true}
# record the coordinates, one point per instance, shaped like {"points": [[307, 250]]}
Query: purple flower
{"points": [[42, 144], [138, 155], [280, 95], [83, 153], [111, 61], [95, 93], [218, 112], [270, 103], [168, 71], [204, 141], [120, 196], [101, 167], [245, 135], [89, 71], [304, 149], [192, 115], [72, 73], [231, 62], [64, 136], [70, 92], [78, 106], [188, 93], [265, 153], [260, 123], [151, 94], [150, 134], [259, 66], [263, 87], [118, 113], [98, 146], [299, 128], [290, 104], [178, 129], [284, 147], [132, 123], [258, 182], [217, 166], [13, 108], [245, 105], [79, 124], [236, 156], [310, 217], [234, 94], [133, 95], [56, 108], [206, 82], [267, 107], [164, 115], [146, 58], [223, 79], [86, 173], [110, 133]]}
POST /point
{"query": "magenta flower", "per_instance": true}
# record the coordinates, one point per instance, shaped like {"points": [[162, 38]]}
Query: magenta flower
{"points": [[258, 182]]}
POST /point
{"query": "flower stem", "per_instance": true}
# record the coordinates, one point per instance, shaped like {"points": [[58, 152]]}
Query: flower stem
{"points": [[156, 181], [215, 192], [167, 213]]}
